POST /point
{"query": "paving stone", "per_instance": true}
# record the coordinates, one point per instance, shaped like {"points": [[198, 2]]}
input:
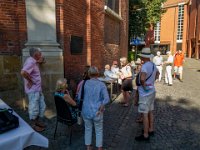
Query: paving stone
{"points": [[177, 123]]}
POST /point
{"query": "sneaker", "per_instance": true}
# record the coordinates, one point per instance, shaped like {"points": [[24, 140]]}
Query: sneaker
{"points": [[181, 80], [169, 84], [141, 138]]}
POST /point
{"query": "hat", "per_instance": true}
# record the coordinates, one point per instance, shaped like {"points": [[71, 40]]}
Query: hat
{"points": [[138, 61], [146, 53]]}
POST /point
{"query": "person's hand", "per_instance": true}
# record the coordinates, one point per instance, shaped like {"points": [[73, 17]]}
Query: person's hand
{"points": [[101, 110], [41, 60], [29, 84], [122, 76]]}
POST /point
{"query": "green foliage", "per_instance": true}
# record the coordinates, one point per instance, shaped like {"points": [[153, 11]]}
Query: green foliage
{"points": [[142, 14], [153, 10], [131, 56]]}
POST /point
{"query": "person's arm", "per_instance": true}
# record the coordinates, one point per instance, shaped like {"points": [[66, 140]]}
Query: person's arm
{"points": [[157, 75], [105, 100], [143, 78], [129, 73], [27, 76], [69, 100]]}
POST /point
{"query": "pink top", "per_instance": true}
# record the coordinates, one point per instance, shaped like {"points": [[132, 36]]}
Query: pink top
{"points": [[31, 67]]}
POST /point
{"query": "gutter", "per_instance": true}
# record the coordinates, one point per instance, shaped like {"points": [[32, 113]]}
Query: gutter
{"points": [[111, 13], [175, 5]]}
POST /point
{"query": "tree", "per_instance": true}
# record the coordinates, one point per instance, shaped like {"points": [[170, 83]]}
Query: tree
{"points": [[142, 15]]}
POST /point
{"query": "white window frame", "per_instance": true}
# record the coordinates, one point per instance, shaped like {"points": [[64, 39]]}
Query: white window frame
{"points": [[157, 33], [180, 25]]}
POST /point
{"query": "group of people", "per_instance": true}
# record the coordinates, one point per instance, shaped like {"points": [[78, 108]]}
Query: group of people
{"points": [[124, 75], [176, 61], [95, 92], [94, 100]]}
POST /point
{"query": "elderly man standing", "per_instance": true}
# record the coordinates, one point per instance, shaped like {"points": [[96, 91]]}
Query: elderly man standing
{"points": [[147, 76], [158, 61], [178, 64], [32, 83], [168, 72]]}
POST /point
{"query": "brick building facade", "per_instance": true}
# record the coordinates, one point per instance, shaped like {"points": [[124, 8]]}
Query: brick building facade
{"points": [[71, 34], [194, 30], [171, 32], [179, 28]]}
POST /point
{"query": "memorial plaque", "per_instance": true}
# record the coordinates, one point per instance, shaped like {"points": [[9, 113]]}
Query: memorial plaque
{"points": [[76, 45]]}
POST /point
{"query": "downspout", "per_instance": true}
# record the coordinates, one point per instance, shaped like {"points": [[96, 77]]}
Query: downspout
{"points": [[174, 28], [88, 32], [196, 32]]}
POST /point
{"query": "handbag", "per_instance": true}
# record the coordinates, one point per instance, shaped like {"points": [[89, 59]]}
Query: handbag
{"points": [[137, 80], [8, 120], [79, 117]]}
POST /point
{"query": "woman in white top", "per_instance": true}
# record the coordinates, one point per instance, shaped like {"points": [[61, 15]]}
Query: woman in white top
{"points": [[126, 76]]}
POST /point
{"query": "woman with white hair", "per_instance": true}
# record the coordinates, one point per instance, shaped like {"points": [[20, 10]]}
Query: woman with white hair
{"points": [[95, 97], [126, 76], [108, 73], [61, 90]]}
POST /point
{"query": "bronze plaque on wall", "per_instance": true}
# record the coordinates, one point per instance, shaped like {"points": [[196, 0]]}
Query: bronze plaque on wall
{"points": [[76, 45]]}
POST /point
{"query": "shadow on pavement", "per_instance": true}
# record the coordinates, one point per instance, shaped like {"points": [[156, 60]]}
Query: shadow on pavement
{"points": [[177, 126]]}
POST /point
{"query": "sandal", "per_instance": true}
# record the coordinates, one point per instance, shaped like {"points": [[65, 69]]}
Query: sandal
{"points": [[121, 102], [40, 124], [37, 128]]}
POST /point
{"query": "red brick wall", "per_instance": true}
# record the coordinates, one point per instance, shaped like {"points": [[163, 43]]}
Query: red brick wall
{"points": [[192, 20], [86, 19], [124, 28], [112, 30], [71, 19], [97, 32], [12, 26]]}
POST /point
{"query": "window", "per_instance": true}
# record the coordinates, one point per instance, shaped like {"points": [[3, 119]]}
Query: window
{"points": [[157, 33], [180, 23], [113, 4]]}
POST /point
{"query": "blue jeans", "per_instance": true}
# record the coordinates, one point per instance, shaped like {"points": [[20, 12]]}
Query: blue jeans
{"points": [[98, 125], [37, 105]]}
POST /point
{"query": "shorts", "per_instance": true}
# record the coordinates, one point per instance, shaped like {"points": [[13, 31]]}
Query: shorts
{"points": [[146, 103], [127, 85], [178, 69]]}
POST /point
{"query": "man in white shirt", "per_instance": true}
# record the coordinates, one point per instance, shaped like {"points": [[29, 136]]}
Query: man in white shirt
{"points": [[147, 76], [168, 71], [158, 61]]}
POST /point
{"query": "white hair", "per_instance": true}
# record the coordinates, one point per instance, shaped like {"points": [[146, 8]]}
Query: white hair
{"points": [[93, 71]]}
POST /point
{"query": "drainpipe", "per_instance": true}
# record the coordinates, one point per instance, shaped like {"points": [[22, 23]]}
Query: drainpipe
{"points": [[88, 32], [197, 32], [174, 28]]}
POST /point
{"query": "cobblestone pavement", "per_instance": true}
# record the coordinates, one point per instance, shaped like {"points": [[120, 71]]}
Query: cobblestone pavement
{"points": [[177, 120]]}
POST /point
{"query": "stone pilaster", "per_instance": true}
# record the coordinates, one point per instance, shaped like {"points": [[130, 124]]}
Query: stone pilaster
{"points": [[41, 28]]}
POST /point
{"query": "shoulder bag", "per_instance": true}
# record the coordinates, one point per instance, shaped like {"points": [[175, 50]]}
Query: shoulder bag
{"points": [[8, 121], [137, 80], [79, 117]]}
